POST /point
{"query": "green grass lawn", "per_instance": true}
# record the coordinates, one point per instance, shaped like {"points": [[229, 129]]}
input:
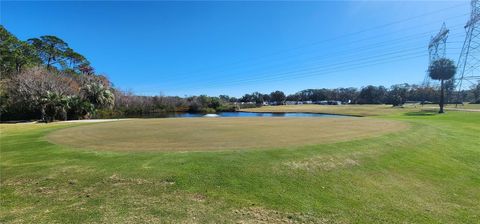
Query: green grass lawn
{"points": [[428, 173], [361, 110], [357, 110], [207, 134]]}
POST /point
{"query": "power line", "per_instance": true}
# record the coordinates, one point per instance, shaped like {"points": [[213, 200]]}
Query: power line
{"points": [[330, 71], [356, 51], [469, 60], [293, 74], [400, 50], [340, 36]]}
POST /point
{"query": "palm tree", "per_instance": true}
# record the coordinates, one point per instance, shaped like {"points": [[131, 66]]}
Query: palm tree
{"points": [[52, 105], [80, 108], [442, 69], [98, 95]]}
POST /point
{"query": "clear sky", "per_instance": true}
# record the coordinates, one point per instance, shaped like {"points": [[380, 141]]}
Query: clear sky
{"points": [[190, 48]]}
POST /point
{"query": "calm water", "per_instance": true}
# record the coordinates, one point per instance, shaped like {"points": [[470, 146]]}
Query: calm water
{"points": [[246, 114]]}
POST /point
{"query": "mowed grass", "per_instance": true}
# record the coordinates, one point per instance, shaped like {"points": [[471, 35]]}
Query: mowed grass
{"points": [[200, 134], [427, 173], [464, 106], [359, 110]]}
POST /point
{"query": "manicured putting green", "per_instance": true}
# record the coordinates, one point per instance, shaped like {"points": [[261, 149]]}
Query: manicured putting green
{"points": [[200, 134]]}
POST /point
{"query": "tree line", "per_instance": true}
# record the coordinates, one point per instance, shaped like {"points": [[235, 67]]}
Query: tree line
{"points": [[396, 95], [131, 105], [44, 78]]}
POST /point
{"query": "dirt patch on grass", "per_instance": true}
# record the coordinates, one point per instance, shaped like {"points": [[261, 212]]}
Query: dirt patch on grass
{"points": [[325, 163], [264, 216], [200, 134]]}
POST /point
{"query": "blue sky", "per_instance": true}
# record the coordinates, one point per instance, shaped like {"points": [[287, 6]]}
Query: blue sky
{"points": [[190, 48]]}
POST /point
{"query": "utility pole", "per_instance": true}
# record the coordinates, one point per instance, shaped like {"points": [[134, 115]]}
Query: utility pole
{"points": [[468, 67], [436, 49]]}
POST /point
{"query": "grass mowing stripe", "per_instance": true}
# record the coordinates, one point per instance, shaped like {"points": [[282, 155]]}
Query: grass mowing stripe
{"points": [[426, 174]]}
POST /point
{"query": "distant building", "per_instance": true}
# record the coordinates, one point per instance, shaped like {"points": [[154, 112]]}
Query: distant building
{"points": [[273, 103], [334, 102], [323, 102], [290, 102], [328, 102]]}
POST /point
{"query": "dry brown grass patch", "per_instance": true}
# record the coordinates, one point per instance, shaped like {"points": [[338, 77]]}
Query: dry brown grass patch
{"points": [[199, 134], [266, 216], [325, 163]]}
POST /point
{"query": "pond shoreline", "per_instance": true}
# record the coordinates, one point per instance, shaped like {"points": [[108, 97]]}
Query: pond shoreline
{"points": [[200, 115]]}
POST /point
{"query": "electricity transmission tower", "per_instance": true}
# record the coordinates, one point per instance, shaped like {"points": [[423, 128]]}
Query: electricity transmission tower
{"points": [[437, 49], [468, 67]]}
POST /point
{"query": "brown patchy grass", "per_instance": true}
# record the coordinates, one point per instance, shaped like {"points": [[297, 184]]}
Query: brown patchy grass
{"points": [[200, 134], [324, 163], [260, 215], [426, 174]]}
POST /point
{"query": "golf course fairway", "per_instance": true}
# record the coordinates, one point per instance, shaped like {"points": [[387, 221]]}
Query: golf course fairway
{"points": [[422, 167], [204, 134]]}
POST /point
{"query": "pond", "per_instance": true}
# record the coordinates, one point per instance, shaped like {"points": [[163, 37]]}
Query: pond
{"points": [[240, 114]]}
